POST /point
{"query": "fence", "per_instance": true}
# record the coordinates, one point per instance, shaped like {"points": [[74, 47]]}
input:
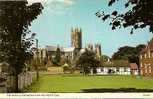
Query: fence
{"points": [[24, 80]]}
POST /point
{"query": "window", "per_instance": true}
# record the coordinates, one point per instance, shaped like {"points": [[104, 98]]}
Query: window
{"points": [[149, 54], [125, 70], [141, 64], [145, 55], [117, 69], [150, 69], [145, 69], [140, 56], [102, 69]]}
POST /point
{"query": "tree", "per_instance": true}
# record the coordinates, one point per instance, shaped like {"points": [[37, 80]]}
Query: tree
{"points": [[128, 53], [57, 58], [105, 58], [15, 17], [139, 15], [87, 60]]}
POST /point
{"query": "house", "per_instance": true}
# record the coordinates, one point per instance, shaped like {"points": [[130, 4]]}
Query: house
{"points": [[146, 60], [116, 67], [134, 69]]}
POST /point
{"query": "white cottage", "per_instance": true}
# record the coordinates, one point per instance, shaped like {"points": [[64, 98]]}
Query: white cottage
{"points": [[116, 67], [113, 70]]}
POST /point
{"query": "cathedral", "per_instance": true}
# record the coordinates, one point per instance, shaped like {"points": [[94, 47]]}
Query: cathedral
{"points": [[46, 54]]}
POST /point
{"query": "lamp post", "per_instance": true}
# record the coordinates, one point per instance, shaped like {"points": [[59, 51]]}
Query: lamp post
{"points": [[37, 70]]}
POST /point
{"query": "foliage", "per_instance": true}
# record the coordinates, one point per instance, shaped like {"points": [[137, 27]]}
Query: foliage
{"points": [[128, 53], [57, 58], [139, 14], [15, 17], [105, 58], [87, 60]]}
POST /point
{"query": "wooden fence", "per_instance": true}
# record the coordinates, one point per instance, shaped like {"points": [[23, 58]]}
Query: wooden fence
{"points": [[24, 80]]}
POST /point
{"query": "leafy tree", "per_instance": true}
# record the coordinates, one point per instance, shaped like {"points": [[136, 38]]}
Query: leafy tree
{"points": [[139, 14], [87, 60], [105, 58], [15, 17], [57, 58], [128, 53]]}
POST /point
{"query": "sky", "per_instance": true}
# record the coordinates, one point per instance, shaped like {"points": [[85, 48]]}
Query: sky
{"points": [[53, 26]]}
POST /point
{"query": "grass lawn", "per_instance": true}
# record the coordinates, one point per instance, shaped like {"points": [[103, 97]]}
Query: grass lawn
{"points": [[76, 83]]}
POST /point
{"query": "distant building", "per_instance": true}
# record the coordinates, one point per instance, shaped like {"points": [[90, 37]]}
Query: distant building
{"points": [[96, 49], [116, 67], [76, 38], [46, 54], [89, 47], [146, 60], [134, 69]]}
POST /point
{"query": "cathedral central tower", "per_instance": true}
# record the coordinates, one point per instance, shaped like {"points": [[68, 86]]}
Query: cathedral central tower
{"points": [[76, 38]]}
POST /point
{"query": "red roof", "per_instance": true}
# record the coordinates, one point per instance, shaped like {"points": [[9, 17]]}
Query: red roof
{"points": [[133, 66]]}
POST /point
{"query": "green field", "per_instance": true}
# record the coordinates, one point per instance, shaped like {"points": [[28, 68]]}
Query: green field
{"points": [[76, 83]]}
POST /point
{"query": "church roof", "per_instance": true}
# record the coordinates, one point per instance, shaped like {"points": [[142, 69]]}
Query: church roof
{"points": [[54, 48], [70, 49], [51, 48]]}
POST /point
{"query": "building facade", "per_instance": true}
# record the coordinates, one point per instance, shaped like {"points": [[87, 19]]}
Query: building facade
{"points": [[146, 60]]}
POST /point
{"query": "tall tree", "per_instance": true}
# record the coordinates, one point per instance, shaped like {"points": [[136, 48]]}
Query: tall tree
{"points": [[57, 57], [87, 60], [139, 14], [128, 53], [15, 17]]}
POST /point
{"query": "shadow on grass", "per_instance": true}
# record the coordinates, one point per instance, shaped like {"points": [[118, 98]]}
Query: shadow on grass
{"points": [[103, 90]]}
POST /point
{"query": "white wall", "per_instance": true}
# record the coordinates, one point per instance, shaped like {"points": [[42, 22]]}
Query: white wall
{"points": [[120, 72]]}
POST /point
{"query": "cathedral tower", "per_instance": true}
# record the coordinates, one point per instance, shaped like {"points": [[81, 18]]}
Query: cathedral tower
{"points": [[98, 50], [76, 38]]}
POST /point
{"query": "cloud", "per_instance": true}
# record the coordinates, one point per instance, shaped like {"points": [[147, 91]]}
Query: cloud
{"points": [[55, 6]]}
